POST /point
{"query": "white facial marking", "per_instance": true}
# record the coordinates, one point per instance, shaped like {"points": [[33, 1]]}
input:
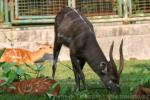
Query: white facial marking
{"points": [[102, 64], [105, 70], [110, 82], [117, 85]]}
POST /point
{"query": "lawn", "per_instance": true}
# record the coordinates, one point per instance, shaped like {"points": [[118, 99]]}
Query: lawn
{"points": [[133, 73]]}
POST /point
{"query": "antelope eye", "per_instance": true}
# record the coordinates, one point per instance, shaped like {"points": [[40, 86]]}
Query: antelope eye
{"points": [[114, 80]]}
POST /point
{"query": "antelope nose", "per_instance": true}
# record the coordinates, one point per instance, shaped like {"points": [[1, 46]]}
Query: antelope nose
{"points": [[115, 89]]}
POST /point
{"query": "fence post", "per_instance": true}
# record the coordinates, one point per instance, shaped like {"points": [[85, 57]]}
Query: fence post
{"points": [[130, 7], [120, 6], [125, 8], [6, 12], [74, 3], [69, 3], [1, 11]]}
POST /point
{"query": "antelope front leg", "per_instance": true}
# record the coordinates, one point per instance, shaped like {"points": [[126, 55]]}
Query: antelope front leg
{"points": [[77, 81], [79, 73]]}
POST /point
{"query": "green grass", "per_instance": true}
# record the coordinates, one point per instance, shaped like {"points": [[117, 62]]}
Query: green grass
{"points": [[133, 73]]}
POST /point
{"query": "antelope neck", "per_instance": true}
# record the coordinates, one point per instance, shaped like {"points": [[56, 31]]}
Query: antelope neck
{"points": [[37, 55]]}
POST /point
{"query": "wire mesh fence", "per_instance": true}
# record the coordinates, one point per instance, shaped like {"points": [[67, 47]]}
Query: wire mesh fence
{"points": [[140, 6], [39, 7], [98, 7], [24, 11]]}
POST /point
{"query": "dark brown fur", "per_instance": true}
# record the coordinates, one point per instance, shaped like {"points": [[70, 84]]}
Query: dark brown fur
{"points": [[73, 30]]}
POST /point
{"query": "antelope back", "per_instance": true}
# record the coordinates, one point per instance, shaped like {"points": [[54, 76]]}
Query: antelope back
{"points": [[16, 55], [19, 55]]}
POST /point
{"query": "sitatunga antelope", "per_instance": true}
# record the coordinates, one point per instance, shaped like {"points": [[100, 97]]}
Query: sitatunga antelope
{"points": [[75, 31]]}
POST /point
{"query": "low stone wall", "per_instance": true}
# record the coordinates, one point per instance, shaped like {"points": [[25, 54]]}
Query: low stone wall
{"points": [[136, 39]]}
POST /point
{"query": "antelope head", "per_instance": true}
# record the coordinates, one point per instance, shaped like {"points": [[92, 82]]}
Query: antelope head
{"points": [[47, 48], [109, 74]]}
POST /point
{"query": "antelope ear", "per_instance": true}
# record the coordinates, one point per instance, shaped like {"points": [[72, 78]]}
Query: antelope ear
{"points": [[48, 44], [44, 44], [38, 43]]}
